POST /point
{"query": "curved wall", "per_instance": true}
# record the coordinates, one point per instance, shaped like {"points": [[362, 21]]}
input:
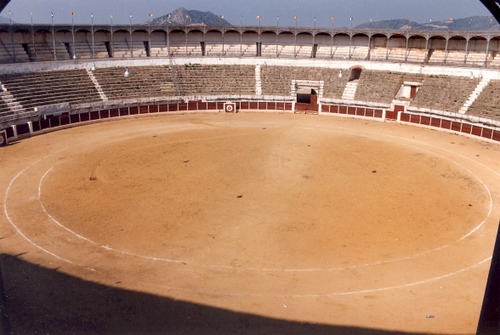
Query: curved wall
{"points": [[51, 93], [34, 43]]}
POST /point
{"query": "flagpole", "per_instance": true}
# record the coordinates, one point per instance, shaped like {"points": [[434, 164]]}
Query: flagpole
{"points": [[32, 33], [111, 25], [93, 35], [131, 41], [73, 34], [53, 35], [295, 38], [12, 37], [148, 51]]}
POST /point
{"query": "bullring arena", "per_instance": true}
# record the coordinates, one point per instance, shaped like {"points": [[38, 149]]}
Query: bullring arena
{"points": [[218, 193]]}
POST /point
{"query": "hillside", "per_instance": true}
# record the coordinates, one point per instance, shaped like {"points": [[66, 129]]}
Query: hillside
{"points": [[182, 17], [468, 23]]}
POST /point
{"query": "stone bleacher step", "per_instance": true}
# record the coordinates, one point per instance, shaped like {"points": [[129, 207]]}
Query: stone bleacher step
{"points": [[97, 85], [11, 102], [350, 90], [474, 95], [258, 83]]}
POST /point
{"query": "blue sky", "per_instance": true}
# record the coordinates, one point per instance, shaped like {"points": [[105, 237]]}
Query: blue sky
{"points": [[271, 11]]}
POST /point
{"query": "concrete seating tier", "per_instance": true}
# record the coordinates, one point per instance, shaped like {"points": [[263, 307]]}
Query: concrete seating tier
{"points": [[25, 44], [397, 55], [196, 79], [241, 50], [9, 49], [249, 50], [83, 50], [416, 55], [378, 86], [359, 52], [304, 51], [185, 50], [334, 86], [444, 93], [215, 49], [437, 56], [144, 81], [341, 52], [179, 50], [403, 55], [324, 51], [4, 108], [234, 50], [124, 49], [378, 54], [287, 51], [5, 48], [44, 51], [477, 59], [159, 51], [270, 50], [44, 88], [455, 57], [487, 104], [7, 54], [194, 50], [495, 60], [277, 80]]}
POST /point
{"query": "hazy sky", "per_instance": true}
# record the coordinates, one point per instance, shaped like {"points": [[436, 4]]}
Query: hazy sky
{"points": [[247, 10]]}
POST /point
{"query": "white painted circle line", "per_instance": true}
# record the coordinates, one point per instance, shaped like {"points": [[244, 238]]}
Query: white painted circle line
{"points": [[264, 269], [298, 270], [334, 294], [85, 238], [16, 227], [50, 216]]}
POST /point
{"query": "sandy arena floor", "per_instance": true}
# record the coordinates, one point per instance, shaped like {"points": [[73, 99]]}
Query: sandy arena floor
{"points": [[247, 223]]}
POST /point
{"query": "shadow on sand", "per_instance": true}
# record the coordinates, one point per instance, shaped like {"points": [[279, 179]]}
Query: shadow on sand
{"points": [[37, 300]]}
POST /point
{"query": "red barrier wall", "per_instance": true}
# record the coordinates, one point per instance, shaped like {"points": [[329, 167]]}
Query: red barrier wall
{"points": [[193, 106]]}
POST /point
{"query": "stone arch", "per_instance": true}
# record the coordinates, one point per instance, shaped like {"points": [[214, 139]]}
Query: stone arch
{"points": [[437, 48], [360, 45], [159, 42], [355, 73]]}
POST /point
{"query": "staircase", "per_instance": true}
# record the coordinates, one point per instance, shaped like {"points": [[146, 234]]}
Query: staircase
{"points": [[350, 90], [258, 83], [174, 76], [473, 96], [14, 105], [97, 85]]}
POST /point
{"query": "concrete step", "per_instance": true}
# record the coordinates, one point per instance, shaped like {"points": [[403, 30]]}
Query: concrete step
{"points": [[473, 96], [350, 90]]}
